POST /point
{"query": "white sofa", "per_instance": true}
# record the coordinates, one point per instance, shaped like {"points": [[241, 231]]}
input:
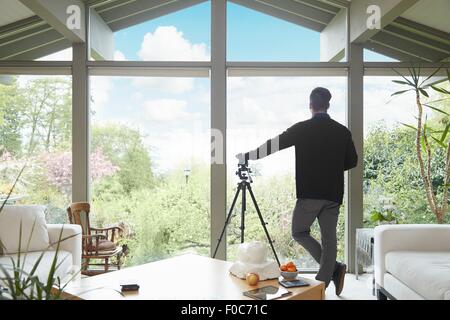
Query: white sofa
{"points": [[412, 262], [43, 239]]}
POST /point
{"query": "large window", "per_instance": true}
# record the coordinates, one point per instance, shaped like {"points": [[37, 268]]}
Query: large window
{"points": [[259, 108], [393, 186], [35, 134], [149, 161], [180, 36], [257, 36]]}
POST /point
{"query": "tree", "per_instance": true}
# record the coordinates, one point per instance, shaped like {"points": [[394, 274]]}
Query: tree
{"points": [[424, 133], [46, 113], [59, 168], [11, 106], [125, 148]]}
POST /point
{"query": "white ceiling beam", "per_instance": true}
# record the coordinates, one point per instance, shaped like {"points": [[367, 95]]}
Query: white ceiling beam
{"points": [[390, 10], [359, 31], [338, 3], [101, 38], [138, 11], [333, 37], [407, 46], [281, 14], [321, 5], [300, 9], [56, 14]]}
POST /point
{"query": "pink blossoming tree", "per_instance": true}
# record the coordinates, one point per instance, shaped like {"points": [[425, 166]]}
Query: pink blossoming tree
{"points": [[59, 168]]}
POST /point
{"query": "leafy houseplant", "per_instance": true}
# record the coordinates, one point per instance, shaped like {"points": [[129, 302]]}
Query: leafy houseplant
{"points": [[427, 139], [387, 217]]}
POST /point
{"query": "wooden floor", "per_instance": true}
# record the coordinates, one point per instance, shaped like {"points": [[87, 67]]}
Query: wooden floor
{"points": [[360, 289]]}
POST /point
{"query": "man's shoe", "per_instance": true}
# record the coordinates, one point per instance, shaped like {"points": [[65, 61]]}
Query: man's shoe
{"points": [[339, 277]]}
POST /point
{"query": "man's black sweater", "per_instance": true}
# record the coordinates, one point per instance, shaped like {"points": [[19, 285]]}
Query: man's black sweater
{"points": [[324, 149]]}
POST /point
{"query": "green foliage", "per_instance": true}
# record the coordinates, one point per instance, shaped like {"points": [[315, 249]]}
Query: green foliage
{"points": [[391, 171], [429, 139], [11, 106], [169, 218], [377, 216], [125, 148], [46, 114]]}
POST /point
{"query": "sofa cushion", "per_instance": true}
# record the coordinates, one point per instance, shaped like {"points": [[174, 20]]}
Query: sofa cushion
{"points": [[398, 289], [10, 219], [427, 273], [64, 259]]}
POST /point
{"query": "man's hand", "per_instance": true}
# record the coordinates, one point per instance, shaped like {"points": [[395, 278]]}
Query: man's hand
{"points": [[241, 158]]}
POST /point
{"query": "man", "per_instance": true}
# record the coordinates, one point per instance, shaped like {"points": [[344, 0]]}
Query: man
{"points": [[324, 149]]}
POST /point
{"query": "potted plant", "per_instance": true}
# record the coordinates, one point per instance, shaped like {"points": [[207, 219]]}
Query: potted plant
{"points": [[427, 139], [387, 217]]}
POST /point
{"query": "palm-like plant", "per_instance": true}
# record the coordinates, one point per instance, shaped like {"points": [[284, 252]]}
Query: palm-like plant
{"points": [[423, 134], [22, 285]]}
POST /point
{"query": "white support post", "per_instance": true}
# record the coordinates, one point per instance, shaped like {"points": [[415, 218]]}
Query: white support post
{"points": [[218, 123], [80, 121], [355, 121]]}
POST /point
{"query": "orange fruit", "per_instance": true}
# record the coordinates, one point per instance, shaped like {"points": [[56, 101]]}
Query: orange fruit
{"points": [[291, 269], [283, 267], [290, 264]]}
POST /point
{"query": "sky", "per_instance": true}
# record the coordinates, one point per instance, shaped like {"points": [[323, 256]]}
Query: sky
{"points": [[173, 114]]}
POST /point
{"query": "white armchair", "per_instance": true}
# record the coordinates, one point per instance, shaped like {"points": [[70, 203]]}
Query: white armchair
{"points": [[39, 238], [412, 261], [72, 244]]}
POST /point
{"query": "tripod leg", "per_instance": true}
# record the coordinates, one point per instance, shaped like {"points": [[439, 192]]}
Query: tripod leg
{"points": [[227, 221], [263, 223], [243, 208]]}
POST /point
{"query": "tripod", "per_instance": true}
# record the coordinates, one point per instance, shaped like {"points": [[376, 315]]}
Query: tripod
{"points": [[244, 185]]}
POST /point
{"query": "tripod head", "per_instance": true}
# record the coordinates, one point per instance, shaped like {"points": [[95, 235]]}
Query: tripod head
{"points": [[244, 171]]}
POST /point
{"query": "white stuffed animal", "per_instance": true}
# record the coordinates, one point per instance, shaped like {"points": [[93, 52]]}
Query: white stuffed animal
{"points": [[252, 258]]}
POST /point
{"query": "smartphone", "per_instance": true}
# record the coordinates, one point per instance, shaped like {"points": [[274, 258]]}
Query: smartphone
{"points": [[129, 286]]}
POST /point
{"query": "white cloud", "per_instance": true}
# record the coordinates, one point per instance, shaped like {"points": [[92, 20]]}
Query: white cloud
{"points": [[166, 110], [101, 88], [179, 147], [260, 108], [119, 56], [277, 102], [380, 106], [165, 85], [166, 43]]}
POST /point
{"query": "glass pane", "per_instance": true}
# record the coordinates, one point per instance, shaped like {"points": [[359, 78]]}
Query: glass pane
{"points": [[36, 132], [372, 56], [150, 163], [393, 187], [180, 36], [256, 36], [259, 109]]}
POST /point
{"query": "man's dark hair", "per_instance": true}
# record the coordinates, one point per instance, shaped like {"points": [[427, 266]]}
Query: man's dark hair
{"points": [[320, 99]]}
